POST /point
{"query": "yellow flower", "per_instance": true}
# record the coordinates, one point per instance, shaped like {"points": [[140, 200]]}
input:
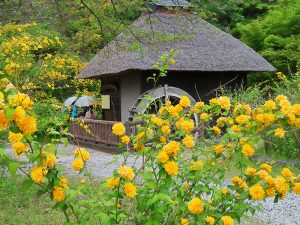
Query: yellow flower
{"points": [[4, 122], [185, 125], [14, 137], [50, 159], [113, 182], [266, 167], [58, 194], [250, 171], [279, 132], [196, 166], [184, 221], [219, 149], [221, 121], [214, 101], [126, 172], [224, 191], [38, 174], [286, 172], [165, 129], [171, 148], [185, 101], [162, 139], [237, 180], [19, 148], [257, 192], [77, 164], [280, 97], [118, 129], [204, 116], [188, 141], [296, 109], [63, 182], [227, 220], [297, 188], [20, 99], [235, 128], [186, 185], [281, 186], [139, 147], [130, 190], [270, 191], [269, 179], [171, 168], [195, 206], [198, 106], [172, 61], [82, 153], [28, 125], [247, 150], [270, 105], [224, 102], [266, 118], [162, 157], [125, 139], [210, 220], [262, 174], [19, 114], [216, 130], [241, 119]]}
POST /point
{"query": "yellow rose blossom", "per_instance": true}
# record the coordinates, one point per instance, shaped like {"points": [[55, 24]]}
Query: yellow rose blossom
{"points": [[173, 111], [50, 160], [227, 220], [171, 168], [58, 194], [165, 130], [82, 153], [296, 188], [130, 190], [270, 105], [188, 141], [204, 116], [162, 157], [262, 174], [113, 182], [219, 149], [214, 101], [270, 180], [4, 122], [210, 220], [28, 125], [270, 191], [281, 186], [185, 102], [237, 180], [286, 172], [140, 135], [195, 206], [198, 106], [250, 171], [14, 137], [241, 119], [224, 191], [186, 185], [21, 99], [266, 167], [243, 139], [257, 192], [19, 148], [63, 182], [172, 61], [247, 150], [296, 109], [77, 164], [279, 132], [266, 118], [38, 174], [279, 98], [184, 221], [221, 121], [139, 147], [118, 129], [235, 128], [126, 172], [171, 148], [125, 139], [224, 102], [162, 139], [19, 114], [216, 130], [185, 125], [197, 165]]}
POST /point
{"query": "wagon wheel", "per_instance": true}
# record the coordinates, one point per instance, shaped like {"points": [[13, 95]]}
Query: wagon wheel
{"points": [[159, 95]]}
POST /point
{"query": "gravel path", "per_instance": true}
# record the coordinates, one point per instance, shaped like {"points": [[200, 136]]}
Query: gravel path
{"points": [[102, 164]]}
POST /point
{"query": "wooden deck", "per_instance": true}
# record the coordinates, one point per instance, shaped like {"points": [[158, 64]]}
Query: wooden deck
{"points": [[96, 131]]}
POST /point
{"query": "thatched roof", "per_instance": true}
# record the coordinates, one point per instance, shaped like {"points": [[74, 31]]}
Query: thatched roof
{"points": [[201, 46]]}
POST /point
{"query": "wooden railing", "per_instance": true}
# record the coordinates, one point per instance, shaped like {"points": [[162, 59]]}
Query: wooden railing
{"points": [[98, 131]]}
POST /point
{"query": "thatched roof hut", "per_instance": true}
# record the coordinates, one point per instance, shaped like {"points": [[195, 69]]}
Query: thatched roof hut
{"points": [[207, 57], [201, 46]]}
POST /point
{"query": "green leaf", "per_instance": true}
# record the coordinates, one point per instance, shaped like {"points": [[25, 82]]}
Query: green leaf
{"points": [[13, 167], [9, 112], [104, 218], [27, 184]]}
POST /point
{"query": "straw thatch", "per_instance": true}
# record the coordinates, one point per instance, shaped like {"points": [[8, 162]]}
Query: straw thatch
{"points": [[201, 47]]}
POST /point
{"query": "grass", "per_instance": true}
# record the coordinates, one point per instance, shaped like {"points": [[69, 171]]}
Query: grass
{"points": [[18, 206]]}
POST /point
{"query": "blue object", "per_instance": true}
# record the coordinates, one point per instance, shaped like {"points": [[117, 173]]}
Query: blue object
{"points": [[74, 112]]}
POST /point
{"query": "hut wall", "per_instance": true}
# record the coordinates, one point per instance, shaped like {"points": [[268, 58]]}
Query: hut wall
{"points": [[198, 84], [130, 91]]}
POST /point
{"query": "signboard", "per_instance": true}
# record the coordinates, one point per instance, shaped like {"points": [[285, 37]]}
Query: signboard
{"points": [[105, 101]]}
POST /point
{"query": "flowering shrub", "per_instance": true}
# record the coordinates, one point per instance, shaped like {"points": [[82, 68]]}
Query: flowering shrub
{"points": [[181, 174]]}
